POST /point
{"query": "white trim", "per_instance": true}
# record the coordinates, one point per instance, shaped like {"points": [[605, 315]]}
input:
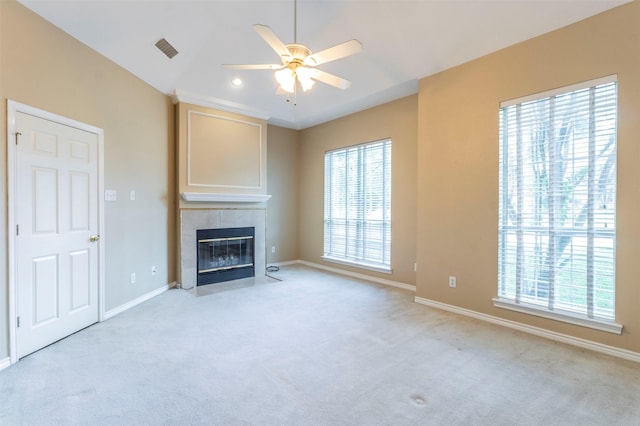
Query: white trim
{"points": [[285, 263], [358, 145], [102, 275], [383, 281], [224, 198], [130, 304], [5, 363], [220, 104], [381, 269], [13, 108], [609, 327], [11, 223], [560, 90], [536, 331]]}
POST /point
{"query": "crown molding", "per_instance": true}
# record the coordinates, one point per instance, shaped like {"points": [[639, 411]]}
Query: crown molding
{"points": [[219, 104]]}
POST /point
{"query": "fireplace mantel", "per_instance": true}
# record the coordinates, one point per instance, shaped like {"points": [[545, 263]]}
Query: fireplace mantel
{"points": [[224, 198]]}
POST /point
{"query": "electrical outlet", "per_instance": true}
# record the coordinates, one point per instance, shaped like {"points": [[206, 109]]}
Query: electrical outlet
{"points": [[153, 270], [273, 249], [452, 281], [133, 278], [415, 267]]}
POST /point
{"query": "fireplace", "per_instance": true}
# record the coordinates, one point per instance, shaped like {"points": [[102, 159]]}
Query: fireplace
{"points": [[194, 219], [225, 254]]}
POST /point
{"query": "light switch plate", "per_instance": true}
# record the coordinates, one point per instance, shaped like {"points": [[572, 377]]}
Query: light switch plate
{"points": [[110, 195]]}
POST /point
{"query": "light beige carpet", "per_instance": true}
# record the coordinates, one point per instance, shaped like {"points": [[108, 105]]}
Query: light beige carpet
{"points": [[313, 349]]}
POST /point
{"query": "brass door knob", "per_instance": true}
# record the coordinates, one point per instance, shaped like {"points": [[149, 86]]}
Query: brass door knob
{"points": [[94, 238]]}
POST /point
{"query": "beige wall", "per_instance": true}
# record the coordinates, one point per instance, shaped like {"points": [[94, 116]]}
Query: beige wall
{"points": [[43, 67], [458, 157], [395, 120], [282, 183]]}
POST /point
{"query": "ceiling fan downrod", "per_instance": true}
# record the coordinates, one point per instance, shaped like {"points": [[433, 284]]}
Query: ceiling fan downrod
{"points": [[295, 21]]}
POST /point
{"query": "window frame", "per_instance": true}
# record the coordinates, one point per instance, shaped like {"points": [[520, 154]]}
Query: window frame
{"points": [[385, 243], [514, 303]]}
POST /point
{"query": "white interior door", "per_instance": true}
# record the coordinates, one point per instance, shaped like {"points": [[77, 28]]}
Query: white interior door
{"points": [[56, 217]]}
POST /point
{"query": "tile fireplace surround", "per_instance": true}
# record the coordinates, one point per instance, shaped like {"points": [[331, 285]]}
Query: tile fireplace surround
{"points": [[194, 219]]}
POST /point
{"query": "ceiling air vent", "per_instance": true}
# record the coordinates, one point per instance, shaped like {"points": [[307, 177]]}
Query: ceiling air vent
{"points": [[166, 48]]}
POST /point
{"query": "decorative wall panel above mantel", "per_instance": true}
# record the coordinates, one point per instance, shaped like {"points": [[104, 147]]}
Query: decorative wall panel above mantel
{"points": [[220, 153]]}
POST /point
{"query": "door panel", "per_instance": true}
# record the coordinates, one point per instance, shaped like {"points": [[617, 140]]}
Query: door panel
{"points": [[45, 289], [56, 210], [45, 201], [44, 144], [80, 267], [80, 151], [79, 205]]}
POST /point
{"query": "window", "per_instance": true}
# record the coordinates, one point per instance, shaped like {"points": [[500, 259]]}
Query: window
{"points": [[557, 205], [357, 205]]}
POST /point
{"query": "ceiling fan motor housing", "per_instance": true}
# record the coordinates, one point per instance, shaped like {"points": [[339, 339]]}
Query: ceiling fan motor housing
{"points": [[298, 54]]}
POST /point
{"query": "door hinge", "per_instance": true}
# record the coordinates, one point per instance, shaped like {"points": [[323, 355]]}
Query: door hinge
{"points": [[18, 322], [17, 229]]}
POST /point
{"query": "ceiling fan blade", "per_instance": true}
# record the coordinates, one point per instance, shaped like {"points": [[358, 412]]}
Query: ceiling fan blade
{"points": [[253, 66], [330, 79], [272, 40], [347, 48]]}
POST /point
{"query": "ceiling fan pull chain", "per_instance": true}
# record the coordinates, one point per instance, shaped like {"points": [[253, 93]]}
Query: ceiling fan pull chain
{"points": [[295, 93]]}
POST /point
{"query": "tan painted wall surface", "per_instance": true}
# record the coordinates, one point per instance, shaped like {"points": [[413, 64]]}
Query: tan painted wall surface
{"points": [[45, 68], [282, 208], [395, 120], [458, 162]]}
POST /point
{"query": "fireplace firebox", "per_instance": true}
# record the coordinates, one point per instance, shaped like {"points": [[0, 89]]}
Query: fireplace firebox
{"points": [[225, 254]]}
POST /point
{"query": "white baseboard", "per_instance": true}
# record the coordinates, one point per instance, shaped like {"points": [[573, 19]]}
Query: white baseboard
{"points": [[536, 331], [4, 363], [118, 310], [359, 276], [285, 263]]}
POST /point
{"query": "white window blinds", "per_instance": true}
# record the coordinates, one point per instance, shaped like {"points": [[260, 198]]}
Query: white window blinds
{"points": [[557, 217], [357, 206]]}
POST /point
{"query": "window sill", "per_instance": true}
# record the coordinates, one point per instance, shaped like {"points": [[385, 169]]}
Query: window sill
{"points": [[609, 327], [384, 270]]}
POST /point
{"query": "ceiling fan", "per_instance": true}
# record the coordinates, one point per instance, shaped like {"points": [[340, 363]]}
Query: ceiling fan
{"points": [[298, 62]]}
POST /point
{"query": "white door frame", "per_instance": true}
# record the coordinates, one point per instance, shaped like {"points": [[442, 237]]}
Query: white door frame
{"points": [[13, 108]]}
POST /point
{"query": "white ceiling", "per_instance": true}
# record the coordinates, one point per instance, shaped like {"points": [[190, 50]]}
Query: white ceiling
{"points": [[403, 41]]}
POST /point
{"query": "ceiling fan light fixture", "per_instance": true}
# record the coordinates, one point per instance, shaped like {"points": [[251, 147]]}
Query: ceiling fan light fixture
{"points": [[286, 78], [306, 83], [304, 77]]}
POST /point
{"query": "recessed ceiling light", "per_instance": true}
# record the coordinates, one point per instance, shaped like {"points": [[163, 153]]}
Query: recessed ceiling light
{"points": [[237, 82]]}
